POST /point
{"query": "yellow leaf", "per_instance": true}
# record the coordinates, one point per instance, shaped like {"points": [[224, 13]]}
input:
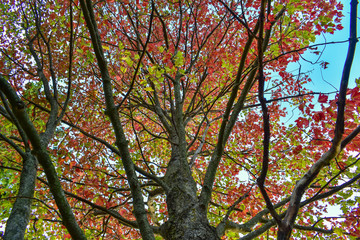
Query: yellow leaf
{"points": [[148, 89]]}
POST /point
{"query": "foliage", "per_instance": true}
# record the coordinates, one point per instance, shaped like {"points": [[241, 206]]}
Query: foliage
{"points": [[178, 109]]}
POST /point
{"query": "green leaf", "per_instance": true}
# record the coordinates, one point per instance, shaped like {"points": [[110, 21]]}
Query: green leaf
{"points": [[128, 61], [121, 46], [179, 59]]}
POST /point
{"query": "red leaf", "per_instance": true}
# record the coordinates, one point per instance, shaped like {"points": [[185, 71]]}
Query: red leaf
{"points": [[339, 27], [297, 149], [323, 98], [67, 236], [72, 163], [324, 65], [319, 116]]}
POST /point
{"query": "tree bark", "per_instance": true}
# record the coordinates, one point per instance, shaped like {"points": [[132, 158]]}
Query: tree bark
{"points": [[189, 223], [286, 225], [284, 233], [40, 152], [187, 217], [20, 213]]}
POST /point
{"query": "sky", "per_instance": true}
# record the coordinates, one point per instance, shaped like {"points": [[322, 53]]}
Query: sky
{"points": [[328, 80]]}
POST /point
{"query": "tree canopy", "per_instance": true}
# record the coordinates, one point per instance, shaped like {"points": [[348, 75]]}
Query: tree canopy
{"points": [[154, 119]]}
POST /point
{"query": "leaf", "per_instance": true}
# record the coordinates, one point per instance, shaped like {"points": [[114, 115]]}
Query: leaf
{"points": [[182, 134], [72, 164], [322, 98], [338, 231], [148, 89], [121, 45], [179, 59], [128, 61]]}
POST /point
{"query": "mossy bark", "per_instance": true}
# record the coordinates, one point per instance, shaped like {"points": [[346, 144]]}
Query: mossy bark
{"points": [[187, 217], [20, 213]]}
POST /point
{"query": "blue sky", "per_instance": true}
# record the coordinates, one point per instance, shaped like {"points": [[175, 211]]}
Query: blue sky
{"points": [[335, 54], [322, 79]]}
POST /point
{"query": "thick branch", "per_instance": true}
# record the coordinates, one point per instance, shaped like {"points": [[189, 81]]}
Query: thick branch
{"points": [[229, 120], [287, 223], [20, 213], [121, 142], [39, 150], [266, 118], [215, 159]]}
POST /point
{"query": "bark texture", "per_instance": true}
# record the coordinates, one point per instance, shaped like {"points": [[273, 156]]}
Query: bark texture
{"points": [[20, 213], [41, 154], [187, 218], [191, 223]]}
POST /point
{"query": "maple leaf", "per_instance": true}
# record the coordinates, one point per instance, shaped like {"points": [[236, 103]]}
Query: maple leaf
{"points": [[319, 116], [324, 64], [155, 115], [297, 149], [322, 98]]}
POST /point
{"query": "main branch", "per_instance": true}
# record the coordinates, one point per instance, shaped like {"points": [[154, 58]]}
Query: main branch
{"points": [[285, 229], [121, 142]]}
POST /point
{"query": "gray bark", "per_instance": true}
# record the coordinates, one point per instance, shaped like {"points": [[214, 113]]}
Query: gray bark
{"points": [[20, 213], [39, 150], [191, 223]]}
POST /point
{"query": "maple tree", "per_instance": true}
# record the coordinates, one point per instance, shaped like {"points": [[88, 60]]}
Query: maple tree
{"points": [[164, 120]]}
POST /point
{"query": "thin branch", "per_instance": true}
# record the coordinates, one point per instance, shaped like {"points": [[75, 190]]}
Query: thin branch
{"points": [[121, 141], [290, 217], [266, 118], [39, 150]]}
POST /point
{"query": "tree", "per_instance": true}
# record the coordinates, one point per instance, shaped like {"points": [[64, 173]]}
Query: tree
{"points": [[163, 120]]}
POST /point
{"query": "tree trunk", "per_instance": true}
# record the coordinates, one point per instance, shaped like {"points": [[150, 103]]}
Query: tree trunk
{"points": [[190, 223], [20, 213], [187, 219], [284, 234]]}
